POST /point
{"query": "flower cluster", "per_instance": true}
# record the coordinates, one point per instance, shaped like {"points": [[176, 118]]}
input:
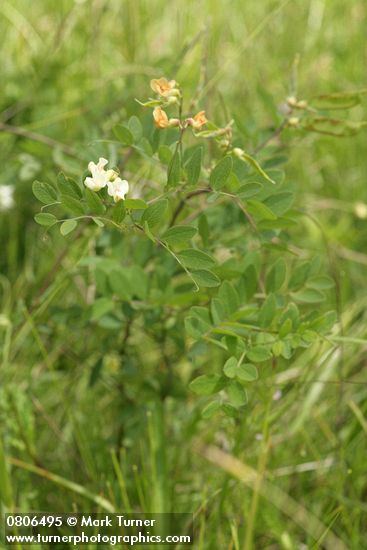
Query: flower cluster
{"points": [[169, 93], [116, 187]]}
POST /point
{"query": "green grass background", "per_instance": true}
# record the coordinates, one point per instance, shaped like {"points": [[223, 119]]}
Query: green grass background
{"points": [[70, 70]]}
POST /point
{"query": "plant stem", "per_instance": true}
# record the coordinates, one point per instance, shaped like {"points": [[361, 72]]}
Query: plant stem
{"points": [[272, 136]]}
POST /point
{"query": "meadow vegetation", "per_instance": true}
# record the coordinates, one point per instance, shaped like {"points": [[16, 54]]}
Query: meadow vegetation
{"points": [[198, 346]]}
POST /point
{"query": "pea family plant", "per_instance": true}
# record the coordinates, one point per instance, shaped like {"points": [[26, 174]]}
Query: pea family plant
{"points": [[195, 260]]}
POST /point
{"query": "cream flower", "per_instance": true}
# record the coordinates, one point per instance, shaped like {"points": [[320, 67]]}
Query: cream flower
{"points": [[100, 176], [197, 121], [161, 119], [6, 197], [163, 87], [118, 189]]}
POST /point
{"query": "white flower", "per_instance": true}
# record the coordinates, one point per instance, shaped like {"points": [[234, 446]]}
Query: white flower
{"points": [[118, 189], [100, 176], [6, 197], [360, 210], [277, 395]]}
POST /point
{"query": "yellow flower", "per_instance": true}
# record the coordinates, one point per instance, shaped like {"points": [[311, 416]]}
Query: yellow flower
{"points": [[198, 121], [163, 87], [161, 119]]}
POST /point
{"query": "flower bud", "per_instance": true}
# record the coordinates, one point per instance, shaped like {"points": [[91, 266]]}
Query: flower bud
{"points": [[295, 103], [293, 121], [238, 152], [173, 123], [172, 100], [292, 101], [302, 104]]}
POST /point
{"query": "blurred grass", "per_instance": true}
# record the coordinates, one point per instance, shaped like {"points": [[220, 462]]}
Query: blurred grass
{"points": [[70, 71]]}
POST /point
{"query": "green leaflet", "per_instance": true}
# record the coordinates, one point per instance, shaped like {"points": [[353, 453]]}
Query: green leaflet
{"points": [[195, 259], [179, 234], [123, 134], [155, 212], [220, 173], [67, 227], [44, 192]]}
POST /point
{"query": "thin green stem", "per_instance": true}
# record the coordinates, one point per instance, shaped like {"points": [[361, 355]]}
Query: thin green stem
{"points": [[166, 247]]}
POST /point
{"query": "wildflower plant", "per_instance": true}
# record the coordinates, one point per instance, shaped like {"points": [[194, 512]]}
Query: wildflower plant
{"points": [[195, 247]]}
